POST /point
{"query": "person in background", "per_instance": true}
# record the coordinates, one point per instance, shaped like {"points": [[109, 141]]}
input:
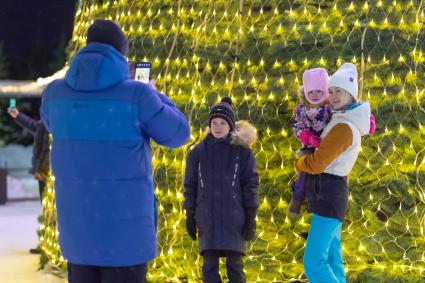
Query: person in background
{"points": [[40, 161]]}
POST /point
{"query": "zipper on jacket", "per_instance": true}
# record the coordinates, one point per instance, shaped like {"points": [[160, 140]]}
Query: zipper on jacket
{"points": [[200, 175], [236, 172]]}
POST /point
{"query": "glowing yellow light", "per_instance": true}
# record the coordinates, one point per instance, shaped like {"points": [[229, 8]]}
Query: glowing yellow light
{"points": [[281, 81], [310, 27], [357, 23]]}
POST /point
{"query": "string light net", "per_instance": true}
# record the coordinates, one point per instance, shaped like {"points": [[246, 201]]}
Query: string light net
{"points": [[256, 52]]}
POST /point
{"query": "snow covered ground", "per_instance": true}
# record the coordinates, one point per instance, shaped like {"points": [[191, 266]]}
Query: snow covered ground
{"points": [[18, 233], [20, 184]]}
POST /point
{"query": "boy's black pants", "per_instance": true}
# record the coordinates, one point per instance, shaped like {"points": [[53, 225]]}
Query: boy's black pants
{"points": [[234, 264], [100, 274]]}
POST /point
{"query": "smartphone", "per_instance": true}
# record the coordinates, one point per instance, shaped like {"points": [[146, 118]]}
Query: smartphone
{"points": [[142, 71], [12, 103]]}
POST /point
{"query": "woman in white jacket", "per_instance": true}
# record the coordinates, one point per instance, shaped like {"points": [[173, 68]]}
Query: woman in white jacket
{"points": [[328, 169]]}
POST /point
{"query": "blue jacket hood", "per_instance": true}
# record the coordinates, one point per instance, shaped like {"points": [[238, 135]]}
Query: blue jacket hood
{"points": [[95, 67]]}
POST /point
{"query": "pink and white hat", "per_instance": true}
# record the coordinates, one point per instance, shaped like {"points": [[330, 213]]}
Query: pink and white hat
{"points": [[316, 79]]}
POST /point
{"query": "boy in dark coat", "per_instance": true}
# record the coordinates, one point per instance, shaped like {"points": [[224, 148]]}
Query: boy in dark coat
{"points": [[221, 198]]}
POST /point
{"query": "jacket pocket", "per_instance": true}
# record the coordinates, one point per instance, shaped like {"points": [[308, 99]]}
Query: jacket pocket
{"points": [[238, 213]]}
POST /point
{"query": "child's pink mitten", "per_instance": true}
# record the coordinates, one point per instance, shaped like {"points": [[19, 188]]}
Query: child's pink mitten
{"points": [[309, 139], [372, 125]]}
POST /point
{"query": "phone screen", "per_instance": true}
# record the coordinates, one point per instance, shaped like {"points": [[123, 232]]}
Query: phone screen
{"points": [[142, 72], [12, 103]]}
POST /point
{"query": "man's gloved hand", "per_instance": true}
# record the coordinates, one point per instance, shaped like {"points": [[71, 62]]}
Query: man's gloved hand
{"points": [[248, 229], [191, 225]]}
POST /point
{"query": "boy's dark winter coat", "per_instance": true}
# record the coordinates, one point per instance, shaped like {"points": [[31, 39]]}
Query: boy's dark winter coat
{"points": [[221, 182]]}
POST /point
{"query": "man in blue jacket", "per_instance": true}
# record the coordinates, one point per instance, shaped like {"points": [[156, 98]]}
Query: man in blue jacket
{"points": [[102, 123], [40, 161]]}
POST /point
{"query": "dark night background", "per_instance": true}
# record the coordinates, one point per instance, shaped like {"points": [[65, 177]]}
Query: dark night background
{"points": [[32, 33], [33, 39]]}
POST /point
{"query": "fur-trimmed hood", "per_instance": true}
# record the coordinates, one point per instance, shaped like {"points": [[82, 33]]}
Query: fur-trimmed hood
{"points": [[245, 134]]}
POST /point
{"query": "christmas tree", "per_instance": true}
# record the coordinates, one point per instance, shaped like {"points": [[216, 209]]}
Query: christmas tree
{"points": [[256, 52]]}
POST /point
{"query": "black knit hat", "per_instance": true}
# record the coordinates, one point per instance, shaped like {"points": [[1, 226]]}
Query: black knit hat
{"points": [[108, 32], [224, 110]]}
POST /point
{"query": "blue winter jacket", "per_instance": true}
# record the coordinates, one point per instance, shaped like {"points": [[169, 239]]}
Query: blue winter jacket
{"points": [[101, 124]]}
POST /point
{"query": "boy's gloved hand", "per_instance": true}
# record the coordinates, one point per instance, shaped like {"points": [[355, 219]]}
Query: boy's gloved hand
{"points": [[248, 229], [191, 225], [309, 139]]}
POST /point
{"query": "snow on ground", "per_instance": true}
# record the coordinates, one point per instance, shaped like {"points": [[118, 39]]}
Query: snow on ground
{"points": [[17, 159], [18, 233]]}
